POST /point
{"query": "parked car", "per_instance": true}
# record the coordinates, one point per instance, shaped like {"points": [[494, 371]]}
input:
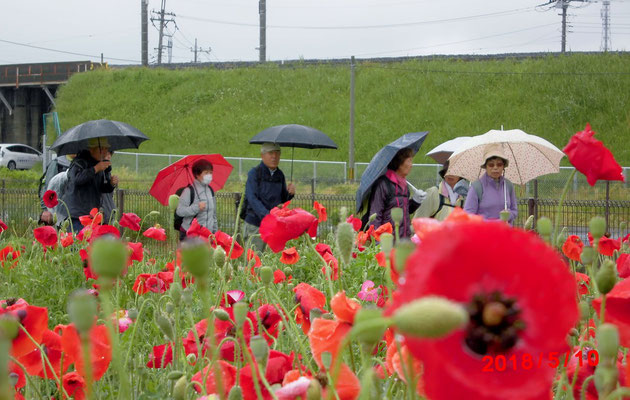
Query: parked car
{"points": [[18, 156]]}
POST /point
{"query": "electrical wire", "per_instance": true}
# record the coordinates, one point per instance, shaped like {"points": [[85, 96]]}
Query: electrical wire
{"points": [[66, 52]]}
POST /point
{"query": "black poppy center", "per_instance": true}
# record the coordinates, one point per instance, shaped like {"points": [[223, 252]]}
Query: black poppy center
{"points": [[494, 323]]}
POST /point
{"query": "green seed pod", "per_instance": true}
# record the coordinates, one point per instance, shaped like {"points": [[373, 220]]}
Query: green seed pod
{"points": [[9, 326], [165, 325], [240, 313], [606, 277], [132, 314], [607, 341], [196, 258], [387, 243], [369, 326], [260, 349], [82, 309], [504, 215], [588, 255], [221, 314], [170, 307], [397, 215], [403, 250], [179, 390], [345, 241], [605, 377], [219, 257], [314, 391], [430, 317], [529, 223], [236, 393], [108, 257], [544, 227], [597, 227], [173, 202], [266, 275], [174, 375]]}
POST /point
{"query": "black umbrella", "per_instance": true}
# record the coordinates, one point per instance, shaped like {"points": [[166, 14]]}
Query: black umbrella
{"points": [[119, 136], [294, 135]]}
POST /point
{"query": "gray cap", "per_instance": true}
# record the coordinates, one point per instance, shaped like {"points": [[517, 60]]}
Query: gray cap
{"points": [[267, 147]]}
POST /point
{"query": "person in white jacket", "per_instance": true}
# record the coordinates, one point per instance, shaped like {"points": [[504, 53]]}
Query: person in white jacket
{"points": [[203, 204]]}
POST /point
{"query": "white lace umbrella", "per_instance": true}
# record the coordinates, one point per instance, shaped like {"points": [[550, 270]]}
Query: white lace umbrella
{"points": [[529, 156]]}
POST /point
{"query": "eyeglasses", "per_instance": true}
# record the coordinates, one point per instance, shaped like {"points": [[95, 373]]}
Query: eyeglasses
{"points": [[492, 164]]}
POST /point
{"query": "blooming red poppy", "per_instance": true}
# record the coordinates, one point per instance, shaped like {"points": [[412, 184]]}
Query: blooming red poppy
{"points": [[131, 221], [284, 224], [9, 252], [74, 385], [161, 356], [623, 265], [251, 255], [279, 276], [344, 308], [308, 298], [582, 281], [322, 216], [572, 247], [347, 385], [289, 256], [103, 230], [3, 226], [100, 348], [477, 265], [269, 319], [363, 237], [34, 319], [333, 265], [16, 371], [46, 235], [607, 246], [231, 297], [278, 364], [136, 251], [198, 230], [589, 156], [385, 228], [225, 241], [50, 199], [228, 378], [381, 260], [327, 335], [155, 232], [323, 249], [32, 361], [66, 239], [618, 309], [355, 222]]}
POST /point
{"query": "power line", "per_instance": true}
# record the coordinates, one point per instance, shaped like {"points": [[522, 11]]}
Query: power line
{"points": [[565, 73], [66, 52]]}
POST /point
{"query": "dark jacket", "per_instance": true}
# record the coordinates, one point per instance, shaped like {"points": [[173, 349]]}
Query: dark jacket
{"points": [[264, 194], [85, 187], [387, 195]]}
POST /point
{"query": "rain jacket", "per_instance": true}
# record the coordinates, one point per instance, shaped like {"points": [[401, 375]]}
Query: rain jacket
{"points": [[493, 199], [85, 187], [399, 197], [207, 217], [265, 193]]}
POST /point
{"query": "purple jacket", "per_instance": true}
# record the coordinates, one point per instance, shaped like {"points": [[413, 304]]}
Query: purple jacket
{"points": [[399, 197], [492, 201]]}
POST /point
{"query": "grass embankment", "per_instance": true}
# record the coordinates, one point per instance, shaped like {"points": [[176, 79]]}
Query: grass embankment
{"points": [[209, 110]]}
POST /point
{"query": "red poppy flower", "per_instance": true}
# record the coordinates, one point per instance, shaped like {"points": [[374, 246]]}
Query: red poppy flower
{"points": [[198, 230], [623, 265], [572, 247], [46, 235], [103, 230], [347, 385], [289, 256], [100, 348], [381, 260], [161, 356], [582, 281], [251, 255], [66, 239], [136, 251], [323, 249], [284, 224], [4, 254], [363, 237], [478, 264], [586, 369], [385, 228], [155, 232], [589, 156], [398, 358], [231, 297], [356, 222], [225, 241], [269, 319], [131, 221], [3, 226], [333, 264], [383, 297], [322, 216], [618, 309], [34, 319], [279, 276], [308, 298], [278, 364], [228, 378], [344, 308], [74, 385], [50, 199], [32, 361], [607, 246], [21, 378]]}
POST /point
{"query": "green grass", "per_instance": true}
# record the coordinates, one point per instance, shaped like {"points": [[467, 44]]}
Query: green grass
{"points": [[209, 110]]}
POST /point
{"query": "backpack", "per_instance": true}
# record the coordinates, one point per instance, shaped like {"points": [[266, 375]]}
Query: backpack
{"points": [[54, 167], [479, 188], [388, 197], [442, 205], [243, 212], [177, 219]]}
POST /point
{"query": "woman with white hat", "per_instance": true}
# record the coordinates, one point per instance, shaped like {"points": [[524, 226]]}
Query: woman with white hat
{"points": [[493, 193]]}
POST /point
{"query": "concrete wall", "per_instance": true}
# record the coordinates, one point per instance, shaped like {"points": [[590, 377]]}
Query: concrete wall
{"points": [[25, 125]]}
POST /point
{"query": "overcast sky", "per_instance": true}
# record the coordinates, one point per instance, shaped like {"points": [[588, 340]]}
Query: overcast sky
{"points": [[309, 29]]}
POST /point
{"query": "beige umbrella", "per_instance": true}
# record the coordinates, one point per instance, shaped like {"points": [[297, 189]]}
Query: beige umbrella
{"points": [[529, 156]]}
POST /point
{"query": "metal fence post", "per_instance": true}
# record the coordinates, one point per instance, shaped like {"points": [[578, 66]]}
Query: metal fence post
{"points": [[4, 206], [136, 163], [314, 174], [240, 166], [120, 194], [607, 209], [312, 191]]}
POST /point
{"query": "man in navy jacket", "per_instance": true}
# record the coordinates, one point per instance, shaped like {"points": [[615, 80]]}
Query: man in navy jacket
{"points": [[266, 188]]}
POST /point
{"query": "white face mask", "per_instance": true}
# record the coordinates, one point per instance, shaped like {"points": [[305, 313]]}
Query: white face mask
{"points": [[207, 178]]}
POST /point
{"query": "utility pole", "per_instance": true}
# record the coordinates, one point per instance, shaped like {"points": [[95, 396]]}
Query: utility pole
{"points": [[564, 5], [262, 49], [199, 50], [163, 23], [170, 48], [351, 144], [605, 13], [144, 36]]}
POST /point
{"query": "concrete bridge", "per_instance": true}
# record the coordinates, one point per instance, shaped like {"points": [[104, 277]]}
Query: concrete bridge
{"points": [[27, 91]]}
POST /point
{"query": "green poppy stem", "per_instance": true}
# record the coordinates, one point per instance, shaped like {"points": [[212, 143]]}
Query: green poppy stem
{"points": [[554, 234]]}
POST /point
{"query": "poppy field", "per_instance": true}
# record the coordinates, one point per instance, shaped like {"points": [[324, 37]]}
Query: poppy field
{"points": [[467, 309]]}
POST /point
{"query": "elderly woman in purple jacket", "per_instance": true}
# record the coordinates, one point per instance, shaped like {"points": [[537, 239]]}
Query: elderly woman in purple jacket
{"points": [[492, 193], [391, 190]]}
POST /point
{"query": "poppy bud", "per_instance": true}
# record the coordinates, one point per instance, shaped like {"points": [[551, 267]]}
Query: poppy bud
{"points": [[260, 349], [13, 380], [397, 215], [173, 202], [287, 271], [529, 223], [266, 275], [369, 326], [597, 227], [179, 390], [315, 313], [544, 227], [430, 317], [55, 219], [372, 218], [504, 215], [166, 327], [82, 310], [191, 358], [176, 292], [562, 237], [219, 257], [8, 327], [240, 313], [132, 314], [585, 311], [326, 360], [343, 213], [236, 393], [314, 390], [221, 314], [605, 378], [170, 307], [345, 241], [404, 248], [174, 375], [387, 243], [196, 258], [607, 341], [186, 296], [108, 257], [154, 213], [587, 255], [606, 277]]}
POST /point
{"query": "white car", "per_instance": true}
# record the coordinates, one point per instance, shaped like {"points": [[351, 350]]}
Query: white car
{"points": [[18, 156]]}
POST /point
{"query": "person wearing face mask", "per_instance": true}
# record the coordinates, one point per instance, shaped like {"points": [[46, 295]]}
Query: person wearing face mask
{"points": [[203, 205], [492, 193]]}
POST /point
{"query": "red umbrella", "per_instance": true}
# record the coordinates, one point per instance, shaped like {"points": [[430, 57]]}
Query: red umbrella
{"points": [[179, 174]]}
